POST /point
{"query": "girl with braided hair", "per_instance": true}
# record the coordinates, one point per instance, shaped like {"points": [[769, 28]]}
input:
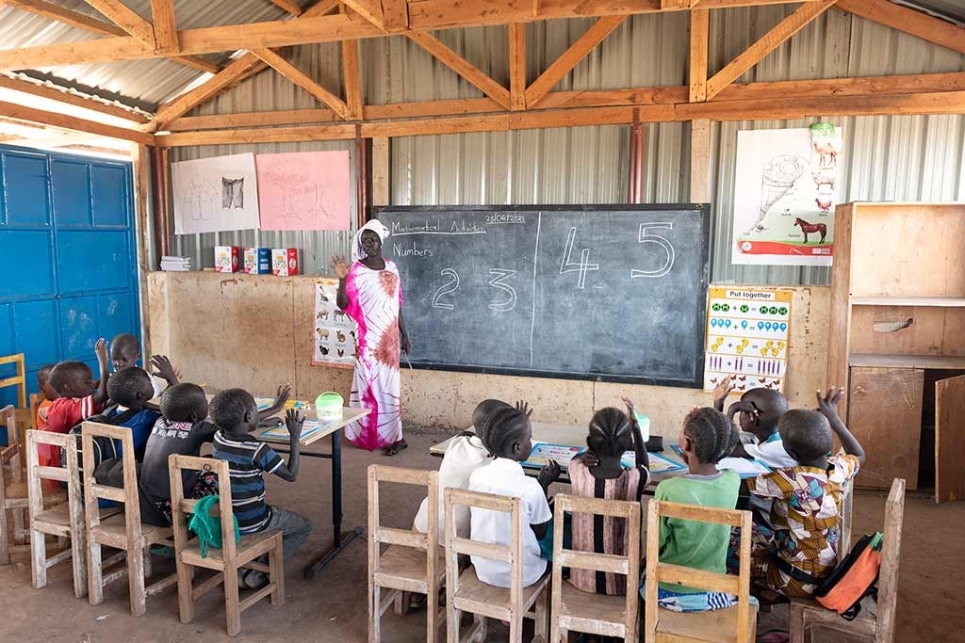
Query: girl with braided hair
{"points": [[707, 436]]}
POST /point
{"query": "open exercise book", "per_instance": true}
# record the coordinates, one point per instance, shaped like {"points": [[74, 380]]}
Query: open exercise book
{"points": [[745, 467], [309, 428], [543, 452]]}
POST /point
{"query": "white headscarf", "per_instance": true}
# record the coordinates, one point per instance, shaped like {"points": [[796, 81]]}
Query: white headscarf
{"points": [[375, 226]]}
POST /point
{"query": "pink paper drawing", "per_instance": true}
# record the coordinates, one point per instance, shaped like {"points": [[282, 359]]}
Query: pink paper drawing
{"points": [[304, 190]]}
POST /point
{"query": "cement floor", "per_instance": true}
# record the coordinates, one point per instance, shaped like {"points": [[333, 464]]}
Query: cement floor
{"points": [[332, 607]]}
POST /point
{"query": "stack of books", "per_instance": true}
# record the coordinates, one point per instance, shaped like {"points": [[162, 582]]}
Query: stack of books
{"points": [[175, 264]]}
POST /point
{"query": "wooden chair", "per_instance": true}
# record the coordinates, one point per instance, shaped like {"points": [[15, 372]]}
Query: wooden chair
{"points": [[580, 611], [123, 530], [13, 491], [20, 381], [736, 624], [55, 514], [466, 593], [225, 561], [413, 562], [807, 614]]}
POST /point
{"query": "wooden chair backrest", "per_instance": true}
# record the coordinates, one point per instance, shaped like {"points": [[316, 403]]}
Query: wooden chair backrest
{"points": [[890, 554], [658, 572], [377, 534], [512, 553], [19, 380], [128, 494], [68, 472], [628, 565], [8, 418], [182, 507]]}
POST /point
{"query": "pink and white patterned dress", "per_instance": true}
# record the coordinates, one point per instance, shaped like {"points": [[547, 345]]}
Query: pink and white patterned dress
{"points": [[375, 298]]}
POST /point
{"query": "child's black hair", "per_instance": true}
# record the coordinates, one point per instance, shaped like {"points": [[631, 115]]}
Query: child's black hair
{"points": [[181, 401], [771, 404], [125, 342], [504, 427], [613, 428], [481, 414], [124, 385], [229, 406], [712, 433], [44, 372], [806, 434], [64, 372]]}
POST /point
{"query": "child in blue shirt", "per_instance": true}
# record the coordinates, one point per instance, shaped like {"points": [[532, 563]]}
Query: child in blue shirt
{"points": [[130, 389]]}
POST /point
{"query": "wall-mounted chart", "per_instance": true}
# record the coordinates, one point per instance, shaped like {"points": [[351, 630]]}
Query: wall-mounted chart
{"points": [[748, 333]]}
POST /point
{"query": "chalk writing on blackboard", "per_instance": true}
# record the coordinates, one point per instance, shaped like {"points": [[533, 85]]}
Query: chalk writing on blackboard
{"points": [[646, 237], [449, 287], [567, 266], [500, 274]]}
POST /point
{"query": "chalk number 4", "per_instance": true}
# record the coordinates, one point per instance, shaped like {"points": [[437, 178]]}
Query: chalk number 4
{"points": [[583, 266]]}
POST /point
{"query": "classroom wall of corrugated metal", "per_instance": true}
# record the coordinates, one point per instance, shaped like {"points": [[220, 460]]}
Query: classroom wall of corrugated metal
{"points": [[902, 158]]}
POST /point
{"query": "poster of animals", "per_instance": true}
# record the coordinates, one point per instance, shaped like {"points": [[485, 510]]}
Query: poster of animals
{"points": [[784, 195], [748, 331], [333, 332], [304, 190], [215, 194]]}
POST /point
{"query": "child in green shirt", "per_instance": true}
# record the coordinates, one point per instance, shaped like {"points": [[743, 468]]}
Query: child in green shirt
{"points": [[707, 436]]}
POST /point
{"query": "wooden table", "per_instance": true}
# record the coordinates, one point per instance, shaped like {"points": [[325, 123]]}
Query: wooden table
{"points": [[333, 429]]}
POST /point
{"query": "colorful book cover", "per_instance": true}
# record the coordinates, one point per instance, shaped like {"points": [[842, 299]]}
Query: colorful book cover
{"points": [[309, 428], [745, 467], [543, 452], [657, 463]]}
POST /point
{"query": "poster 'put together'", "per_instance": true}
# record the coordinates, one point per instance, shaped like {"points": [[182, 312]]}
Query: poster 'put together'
{"points": [[748, 331], [333, 332], [784, 195]]}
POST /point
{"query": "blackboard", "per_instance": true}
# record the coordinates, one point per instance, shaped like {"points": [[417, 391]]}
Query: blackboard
{"points": [[606, 293]]}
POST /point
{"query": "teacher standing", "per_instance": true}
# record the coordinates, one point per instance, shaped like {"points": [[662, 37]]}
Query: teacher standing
{"points": [[370, 293]]}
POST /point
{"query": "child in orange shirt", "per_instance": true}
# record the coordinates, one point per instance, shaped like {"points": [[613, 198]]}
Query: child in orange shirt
{"points": [[49, 395]]}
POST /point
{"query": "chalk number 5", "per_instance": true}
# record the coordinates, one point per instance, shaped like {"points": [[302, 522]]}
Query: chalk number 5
{"points": [[647, 235]]}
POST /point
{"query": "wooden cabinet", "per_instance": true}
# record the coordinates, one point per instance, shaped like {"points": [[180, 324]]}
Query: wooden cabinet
{"points": [[897, 311]]}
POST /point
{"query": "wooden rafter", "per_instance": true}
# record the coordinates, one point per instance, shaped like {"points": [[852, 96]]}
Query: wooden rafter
{"points": [[125, 18], [517, 66], [371, 10], [165, 25], [461, 66], [395, 15], [699, 43], [303, 80], [909, 21], [289, 6], [72, 99], [565, 63], [352, 74], [766, 44], [56, 119], [93, 25]]}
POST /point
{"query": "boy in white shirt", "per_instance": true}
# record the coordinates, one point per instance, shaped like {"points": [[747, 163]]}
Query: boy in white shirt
{"points": [[760, 410], [509, 438]]}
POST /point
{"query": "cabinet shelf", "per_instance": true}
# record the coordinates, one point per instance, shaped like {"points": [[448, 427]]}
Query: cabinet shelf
{"points": [[908, 361], [934, 302]]}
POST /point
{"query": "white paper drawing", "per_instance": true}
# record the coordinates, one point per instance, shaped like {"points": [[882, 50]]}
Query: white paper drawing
{"points": [[215, 194]]}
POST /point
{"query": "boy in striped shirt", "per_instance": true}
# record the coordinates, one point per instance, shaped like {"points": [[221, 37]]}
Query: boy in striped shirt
{"points": [[235, 414]]}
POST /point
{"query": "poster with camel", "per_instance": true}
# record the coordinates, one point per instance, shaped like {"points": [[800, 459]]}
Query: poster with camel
{"points": [[333, 332], [784, 195], [304, 190]]}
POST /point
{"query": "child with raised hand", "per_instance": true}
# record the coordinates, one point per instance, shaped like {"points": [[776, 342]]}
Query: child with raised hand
{"points": [[508, 436], [707, 436], [235, 414], [465, 453], [126, 351], [760, 411], [598, 473], [802, 547], [74, 383], [130, 389]]}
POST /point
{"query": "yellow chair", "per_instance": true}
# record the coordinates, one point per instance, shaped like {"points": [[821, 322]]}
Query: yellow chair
{"points": [[413, 562], [736, 624], [580, 611]]}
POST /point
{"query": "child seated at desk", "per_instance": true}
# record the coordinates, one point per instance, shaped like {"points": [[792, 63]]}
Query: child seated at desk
{"points": [[48, 393], [125, 351], [598, 473], [130, 389], [79, 400], [508, 436], [707, 436], [802, 546], [760, 410], [235, 414]]}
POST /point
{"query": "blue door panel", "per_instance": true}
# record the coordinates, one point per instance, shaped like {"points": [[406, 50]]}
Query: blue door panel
{"points": [[93, 260], [70, 181], [7, 342], [26, 264], [109, 195], [32, 321], [26, 186], [78, 325], [116, 313]]}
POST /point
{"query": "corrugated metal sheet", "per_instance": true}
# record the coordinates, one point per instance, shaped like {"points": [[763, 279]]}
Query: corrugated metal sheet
{"points": [[900, 157]]}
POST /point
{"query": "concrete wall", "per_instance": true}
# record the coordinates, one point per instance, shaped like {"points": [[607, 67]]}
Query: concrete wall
{"points": [[256, 332]]}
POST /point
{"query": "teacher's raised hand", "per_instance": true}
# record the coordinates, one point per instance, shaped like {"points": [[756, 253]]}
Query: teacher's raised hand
{"points": [[341, 266]]}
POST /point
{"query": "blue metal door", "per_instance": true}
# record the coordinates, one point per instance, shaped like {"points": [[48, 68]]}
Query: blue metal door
{"points": [[68, 263]]}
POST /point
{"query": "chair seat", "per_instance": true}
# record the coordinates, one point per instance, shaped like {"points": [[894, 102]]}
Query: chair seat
{"points": [[473, 589], [60, 515], [578, 604], [191, 553], [719, 626], [408, 565], [114, 530]]}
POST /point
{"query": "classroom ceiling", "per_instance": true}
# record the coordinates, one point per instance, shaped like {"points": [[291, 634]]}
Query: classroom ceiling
{"points": [[953, 10]]}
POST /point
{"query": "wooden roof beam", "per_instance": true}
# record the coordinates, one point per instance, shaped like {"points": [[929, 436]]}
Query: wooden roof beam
{"points": [[395, 15], [125, 18], [461, 66], [371, 10], [63, 121], [909, 21], [51, 93], [699, 44], [352, 75], [288, 6], [517, 66], [303, 80], [165, 26], [770, 41], [566, 62]]}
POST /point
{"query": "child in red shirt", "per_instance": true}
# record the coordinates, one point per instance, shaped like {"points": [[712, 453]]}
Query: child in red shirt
{"points": [[74, 382]]}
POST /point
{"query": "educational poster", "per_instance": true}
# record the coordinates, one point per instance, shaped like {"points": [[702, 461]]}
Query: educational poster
{"points": [[333, 332], [748, 331], [784, 195], [304, 190], [215, 194]]}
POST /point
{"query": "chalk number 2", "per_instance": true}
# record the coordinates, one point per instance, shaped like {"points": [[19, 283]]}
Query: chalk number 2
{"points": [[450, 286], [498, 278]]}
